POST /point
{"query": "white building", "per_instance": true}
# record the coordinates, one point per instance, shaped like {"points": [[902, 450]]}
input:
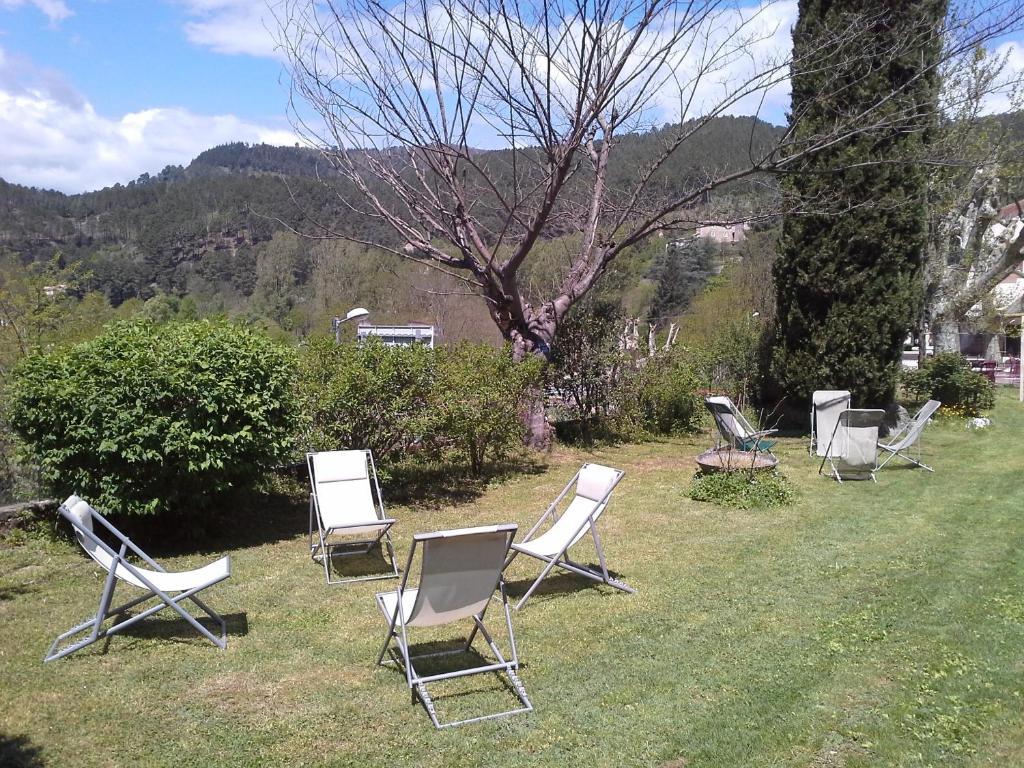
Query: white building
{"points": [[398, 335]]}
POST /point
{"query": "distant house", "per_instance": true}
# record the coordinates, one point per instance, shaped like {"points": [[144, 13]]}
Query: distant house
{"points": [[51, 291], [726, 234], [398, 335]]}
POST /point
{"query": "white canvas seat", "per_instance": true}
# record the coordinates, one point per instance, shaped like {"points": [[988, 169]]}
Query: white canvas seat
{"points": [[826, 405], [157, 582], [347, 508], [733, 428], [593, 485], [459, 573], [910, 436], [852, 451]]}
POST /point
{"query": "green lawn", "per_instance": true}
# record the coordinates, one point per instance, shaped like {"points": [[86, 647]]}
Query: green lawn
{"points": [[867, 624]]}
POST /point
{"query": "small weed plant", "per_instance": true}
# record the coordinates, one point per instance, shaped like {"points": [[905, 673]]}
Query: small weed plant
{"points": [[762, 489]]}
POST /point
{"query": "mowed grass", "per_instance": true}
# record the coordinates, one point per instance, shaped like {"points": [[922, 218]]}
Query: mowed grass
{"points": [[867, 624]]}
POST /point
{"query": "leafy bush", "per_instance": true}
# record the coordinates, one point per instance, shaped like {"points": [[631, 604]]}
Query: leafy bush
{"points": [[365, 395], [478, 401], [666, 396], [148, 419], [464, 402], [610, 392], [946, 377], [743, 490], [586, 362]]}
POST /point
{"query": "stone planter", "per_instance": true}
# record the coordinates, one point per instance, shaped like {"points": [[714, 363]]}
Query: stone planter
{"points": [[731, 460]]}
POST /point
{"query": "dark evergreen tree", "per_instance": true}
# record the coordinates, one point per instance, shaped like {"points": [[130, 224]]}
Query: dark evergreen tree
{"points": [[680, 273], [848, 279]]}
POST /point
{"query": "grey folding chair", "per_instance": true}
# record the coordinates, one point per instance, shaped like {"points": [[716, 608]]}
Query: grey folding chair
{"points": [[157, 583], [734, 429], [593, 485], [852, 451], [909, 436], [826, 405], [347, 507], [459, 572]]}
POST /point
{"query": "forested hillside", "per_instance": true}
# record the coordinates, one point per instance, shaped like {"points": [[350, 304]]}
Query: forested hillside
{"points": [[216, 231]]}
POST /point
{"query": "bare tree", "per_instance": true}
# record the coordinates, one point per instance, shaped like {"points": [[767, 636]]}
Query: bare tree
{"points": [[973, 250], [403, 94], [973, 242]]}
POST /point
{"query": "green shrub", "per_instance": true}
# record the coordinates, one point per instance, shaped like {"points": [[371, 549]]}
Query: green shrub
{"points": [[666, 396], [365, 395], [478, 402], [761, 489], [947, 377], [148, 419]]}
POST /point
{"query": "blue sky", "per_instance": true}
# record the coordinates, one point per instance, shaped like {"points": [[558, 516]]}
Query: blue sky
{"points": [[95, 92], [130, 54]]}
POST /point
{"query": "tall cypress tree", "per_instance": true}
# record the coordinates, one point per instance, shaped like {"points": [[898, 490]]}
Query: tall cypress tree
{"points": [[848, 279]]}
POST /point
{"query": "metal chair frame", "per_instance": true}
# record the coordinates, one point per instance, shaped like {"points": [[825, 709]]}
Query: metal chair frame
{"points": [[324, 549], [561, 559], [399, 632], [104, 611]]}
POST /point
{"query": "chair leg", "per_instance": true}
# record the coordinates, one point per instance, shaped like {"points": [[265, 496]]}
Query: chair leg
{"points": [[543, 573]]}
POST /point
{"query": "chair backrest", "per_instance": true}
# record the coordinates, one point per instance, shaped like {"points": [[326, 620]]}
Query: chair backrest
{"points": [[855, 439], [459, 572], [340, 481], [732, 425], [80, 514], [921, 418], [826, 405]]}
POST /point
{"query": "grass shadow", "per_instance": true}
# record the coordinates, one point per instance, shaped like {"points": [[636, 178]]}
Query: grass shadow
{"points": [[359, 564], [178, 630], [19, 752], [455, 659], [562, 582], [13, 591]]}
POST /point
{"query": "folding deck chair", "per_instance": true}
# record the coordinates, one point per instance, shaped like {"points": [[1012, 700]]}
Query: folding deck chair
{"points": [[826, 405], [910, 436], [594, 484], [852, 451], [157, 583], [341, 502], [459, 572], [735, 430]]}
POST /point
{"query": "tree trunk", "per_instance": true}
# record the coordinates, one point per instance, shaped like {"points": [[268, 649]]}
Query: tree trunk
{"points": [[945, 336]]}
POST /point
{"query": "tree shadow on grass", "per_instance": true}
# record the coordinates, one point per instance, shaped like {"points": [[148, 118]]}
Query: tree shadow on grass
{"points": [[19, 752], [433, 486]]}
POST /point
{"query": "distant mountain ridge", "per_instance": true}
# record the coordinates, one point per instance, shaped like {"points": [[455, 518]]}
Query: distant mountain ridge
{"points": [[152, 233]]}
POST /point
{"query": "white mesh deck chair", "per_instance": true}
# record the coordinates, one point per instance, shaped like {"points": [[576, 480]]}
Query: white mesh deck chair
{"points": [[593, 484], [826, 405], [342, 505], [909, 436], [157, 583], [459, 572], [735, 430], [852, 451]]}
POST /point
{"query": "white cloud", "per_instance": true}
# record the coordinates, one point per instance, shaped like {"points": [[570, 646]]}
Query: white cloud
{"points": [[53, 138], [55, 10], [1005, 95], [231, 26]]}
